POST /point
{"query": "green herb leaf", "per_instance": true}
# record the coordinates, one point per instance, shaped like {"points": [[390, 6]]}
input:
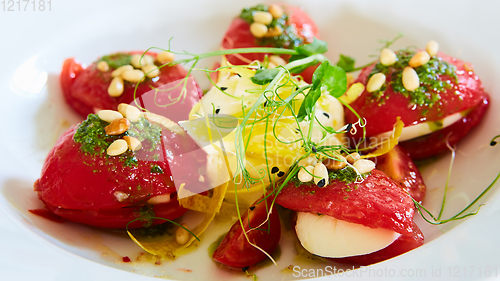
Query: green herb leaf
{"points": [[346, 63], [308, 103], [316, 47], [264, 76]]}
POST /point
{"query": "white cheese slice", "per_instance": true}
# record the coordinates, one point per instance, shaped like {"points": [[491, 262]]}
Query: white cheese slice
{"points": [[327, 236]]}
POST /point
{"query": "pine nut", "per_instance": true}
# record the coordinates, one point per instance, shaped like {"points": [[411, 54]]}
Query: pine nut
{"points": [[102, 66], [410, 79], [117, 127], [353, 157], [109, 115], [117, 147], [258, 29], [387, 57], [133, 143], [120, 196], [354, 91], [364, 166], [277, 60], [432, 48], [276, 11], [320, 175], [308, 161], [333, 164], [116, 87], [130, 112], [151, 70], [305, 174], [262, 17], [182, 235], [133, 76], [271, 65], [139, 61], [160, 199], [165, 57], [419, 59], [274, 31], [375, 82], [119, 71]]}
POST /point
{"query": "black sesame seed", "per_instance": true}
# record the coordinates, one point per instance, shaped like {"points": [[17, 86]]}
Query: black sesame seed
{"points": [[296, 88], [321, 183], [265, 103], [245, 268], [238, 74], [274, 170], [281, 173], [314, 149], [349, 127], [493, 143], [217, 111], [326, 114], [297, 131], [251, 208], [223, 88]]}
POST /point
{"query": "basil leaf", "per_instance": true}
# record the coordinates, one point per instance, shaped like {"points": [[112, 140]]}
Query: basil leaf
{"points": [[264, 76], [346, 63]]}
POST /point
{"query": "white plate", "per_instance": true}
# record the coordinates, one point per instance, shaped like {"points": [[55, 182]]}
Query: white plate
{"points": [[34, 45]]}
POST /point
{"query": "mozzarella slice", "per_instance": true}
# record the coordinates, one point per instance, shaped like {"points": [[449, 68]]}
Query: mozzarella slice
{"points": [[327, 236], [422, 129]]}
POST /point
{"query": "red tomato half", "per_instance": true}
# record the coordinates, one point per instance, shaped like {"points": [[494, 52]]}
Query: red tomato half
{"points": [[86, 89], [398, 165], [377, 202], [89, 188], [465, 92], [234, 250], [239, 36]]}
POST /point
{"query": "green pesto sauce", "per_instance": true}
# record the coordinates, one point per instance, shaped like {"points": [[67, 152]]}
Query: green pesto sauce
{"points": [[146, 213], [346, 175], [116, 60], [288, 39], [94, 140], [427, 94], [156, 169]]}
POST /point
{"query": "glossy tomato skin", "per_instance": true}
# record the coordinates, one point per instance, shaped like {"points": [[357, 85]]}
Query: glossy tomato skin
{"points": [[402, 245], [435, 143], [464, 93], [377, 202], [235, 251], [398, 165], [238, 35], [86, 89], [82, 187]]}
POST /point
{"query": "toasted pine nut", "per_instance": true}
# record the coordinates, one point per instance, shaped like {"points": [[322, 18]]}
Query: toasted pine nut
{"points": [[364, 166], [117, 147], [388, 57], [276, 11], [432, 48], [274, 31], [138, 60], [320, 175], [277, 60], [117, 127], [133, 143], [130, 112], [375, 82], [102, 66], [116, 87], [109, 115], [419, 59], [262, 17], [119, 71], [354, 91], [305, 174], [334, 164], [308, 161], [165, 57], [410, 79], [271, 65], [151, 70], [120, 196], [148, 59], [258, 29], [164, 198], [133, 76], [353, 157], [181, 235]]}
